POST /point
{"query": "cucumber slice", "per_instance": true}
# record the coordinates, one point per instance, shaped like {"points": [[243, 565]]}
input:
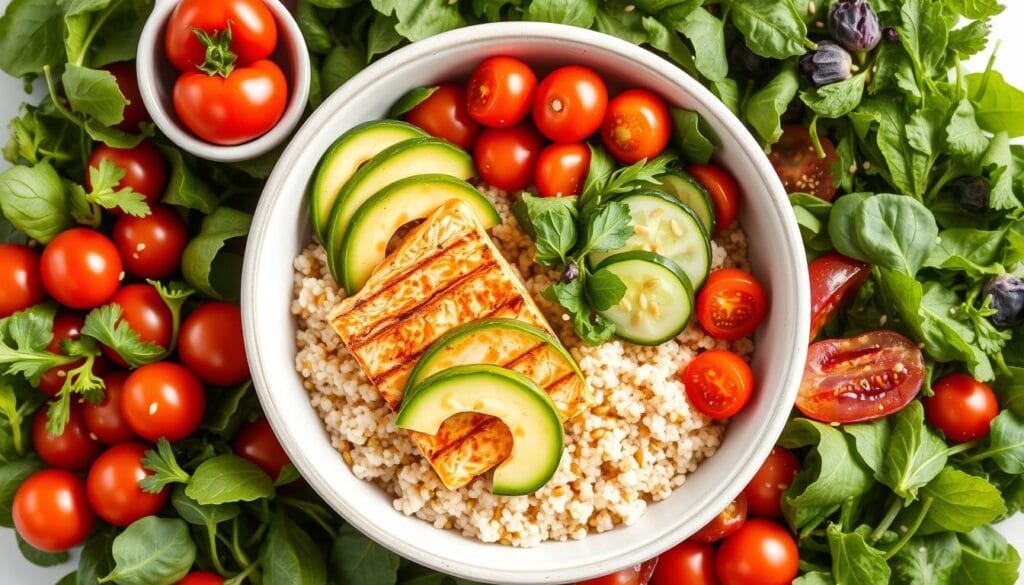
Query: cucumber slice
{"points": [[692, 194], [658, 302], [667, 227]]}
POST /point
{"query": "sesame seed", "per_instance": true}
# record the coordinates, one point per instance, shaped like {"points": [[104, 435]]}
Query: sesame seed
{"points": [[867, 165]]}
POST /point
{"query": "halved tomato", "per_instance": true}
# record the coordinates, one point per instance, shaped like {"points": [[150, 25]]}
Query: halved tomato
{"points": [[727, 522], [834, 279], [799, 166], [861, 378]]}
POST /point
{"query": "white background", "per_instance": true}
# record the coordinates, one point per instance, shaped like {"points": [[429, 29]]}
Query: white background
{"points": [[1007, 27]]}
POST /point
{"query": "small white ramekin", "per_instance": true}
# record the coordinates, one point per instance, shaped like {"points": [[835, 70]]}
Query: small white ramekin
{"points": [[157, 77]]}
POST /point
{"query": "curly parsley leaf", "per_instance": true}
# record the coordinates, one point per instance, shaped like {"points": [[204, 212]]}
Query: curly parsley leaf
{"points": [[164, 466], [106, 193], [106, 326], [24, 337]]}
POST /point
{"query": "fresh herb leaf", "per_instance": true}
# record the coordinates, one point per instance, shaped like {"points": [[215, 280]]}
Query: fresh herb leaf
{"points": [[228, 478], [695, 138], [106, 193], [577, 12], [30, 36], [164, 466], [916, 454], [551, 221], [763, 111], [361, 561], [214, 273], [410, 100], [152, 550], [609, 229], [106, 326], [34, 200], [605, 289], [94, 93]]}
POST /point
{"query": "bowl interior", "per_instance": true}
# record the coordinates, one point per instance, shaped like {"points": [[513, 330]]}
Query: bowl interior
{"points": [[281, 230]]}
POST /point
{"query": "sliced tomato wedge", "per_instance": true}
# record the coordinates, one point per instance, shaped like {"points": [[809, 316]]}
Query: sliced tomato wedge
{"points": [[861, 378], [727, 522], [834, 279], [798, 165]]}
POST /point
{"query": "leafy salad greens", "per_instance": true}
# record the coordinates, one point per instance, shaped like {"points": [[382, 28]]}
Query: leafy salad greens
{"points": [[930, 194]]}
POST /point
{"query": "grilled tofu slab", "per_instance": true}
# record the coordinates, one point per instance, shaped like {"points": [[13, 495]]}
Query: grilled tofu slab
{"points": [[445, 274]]}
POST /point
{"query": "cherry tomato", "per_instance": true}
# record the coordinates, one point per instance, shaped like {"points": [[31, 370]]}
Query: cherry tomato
{"points": [[731, 305], [760, 553], [253, 30], [689, 563], [113, 486], [834, 279], [861, 378], [444, 114], [21, 285], [562, 169], [764, 492], [257, 443], [636, 575], [798, 165], [962, 407], [636, 126], [151, 246], [146, 313], [727, 522], [105, 420], [718, 383], [500, 92], [163, 399], [127, 81], [570, 105], [65, 326], [51, 511], [202, 578], [145, 170], [81, 268], [724, 192], [232, 110], [506, 157], [211, 344], [74, 449]]}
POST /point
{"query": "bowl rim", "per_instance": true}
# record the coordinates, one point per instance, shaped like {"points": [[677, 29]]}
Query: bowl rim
{"points": [[725, 121], [150, 51]]}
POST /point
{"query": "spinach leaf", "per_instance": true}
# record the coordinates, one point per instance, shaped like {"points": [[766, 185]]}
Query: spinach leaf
{"points": [[340, 65], [94, 93], [34, 200], [707, 35], [12, 475], [871, 441], [185, 188], [960, 502], [927, 560], [854, 561], [842, 228], [290, 557], [836, 99], [38, 557], [1006, 442], [228, 478], [31, 36], [895, 231], [916, 454], [361, 561], [614, 19], [772, 28], [987, 559], [999, 105], [195, 513], [695, 138], [664, 39], [214, 273], [152, 551], [96, 559], [964, 137], [575, 12], [763, 111], [419, 19]]}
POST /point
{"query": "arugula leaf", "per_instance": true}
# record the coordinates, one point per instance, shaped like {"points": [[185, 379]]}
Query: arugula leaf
{"points": [[410, 100], [228, 478], [164, 466], [999, 163], [212, 272], [152, 550], [575, 12], [105, 325], [854, 561], [1000, 106], [927, 560], [772, 28], [763, 111], [695, 138], [987, 559], [290, 556], [871, 441], [94, 93], [105, 181], [960, 502], [923, 32], [30, 36], [361, 561], [916, 454], [34, 200]]}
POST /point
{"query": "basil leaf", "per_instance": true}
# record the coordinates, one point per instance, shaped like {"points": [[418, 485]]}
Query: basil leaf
{"points": [[842, 228], [614, 19], [340, 65], [667, 41], [772, 28], [928, 560], [382, 36], [314, 31], [575, 12], [1006, 442], [195, 513], [38, 557], [228, 478], [836, 99], [410, 100], [1000, 108], [12, 475], [987, 559], [96, 559], [34, 200], [695, 138], [870, 440], [610, 229], [361, 561], [707, 35], [95, 93], [205, 267], [763, 111], [30, 36], [895, 231], [854, 561], [419, 19], [184, 187], [916, 454], [290, 557], [152, 551], [605, 289]]}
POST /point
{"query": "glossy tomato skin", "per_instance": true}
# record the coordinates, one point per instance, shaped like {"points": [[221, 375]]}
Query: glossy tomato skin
{"points": [[764, 492], [506, 157], [74, 450], [21, 285], [724, 192], [113, 486], [127, 81], [81, 268], [210, 344], [256, 442], [105, 420], [202, 578], [760, 553], [798, 165], [151, 246], [727, 522], [444, 115], [570, 105], [500, 92], [163, 399], [718, 383], [636, 126], [232, 110], [253, 30], [145, 170], [636, 575], [146, 313], [834, 280], [731, 304], [861, 378], [688, 563], [51, 511], [562, 169], [961, 407]]}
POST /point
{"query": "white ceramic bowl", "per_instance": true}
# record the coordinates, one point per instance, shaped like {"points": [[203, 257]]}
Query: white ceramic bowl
{"points": [[281, 230], [156, 84]]}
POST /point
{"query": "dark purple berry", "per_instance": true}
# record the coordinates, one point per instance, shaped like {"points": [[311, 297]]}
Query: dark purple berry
{"points": [[828, 64], [892, 35], [854, 24], [1007, 292], [571, 273], [971, 193]]}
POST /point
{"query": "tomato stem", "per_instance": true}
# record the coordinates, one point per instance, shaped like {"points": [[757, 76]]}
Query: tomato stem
{"points": [[219, 58], [925, 505]]}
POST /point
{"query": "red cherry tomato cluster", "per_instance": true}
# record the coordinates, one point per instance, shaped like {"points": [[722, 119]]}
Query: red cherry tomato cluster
{"points": [[229, 91], [523, 131]]}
